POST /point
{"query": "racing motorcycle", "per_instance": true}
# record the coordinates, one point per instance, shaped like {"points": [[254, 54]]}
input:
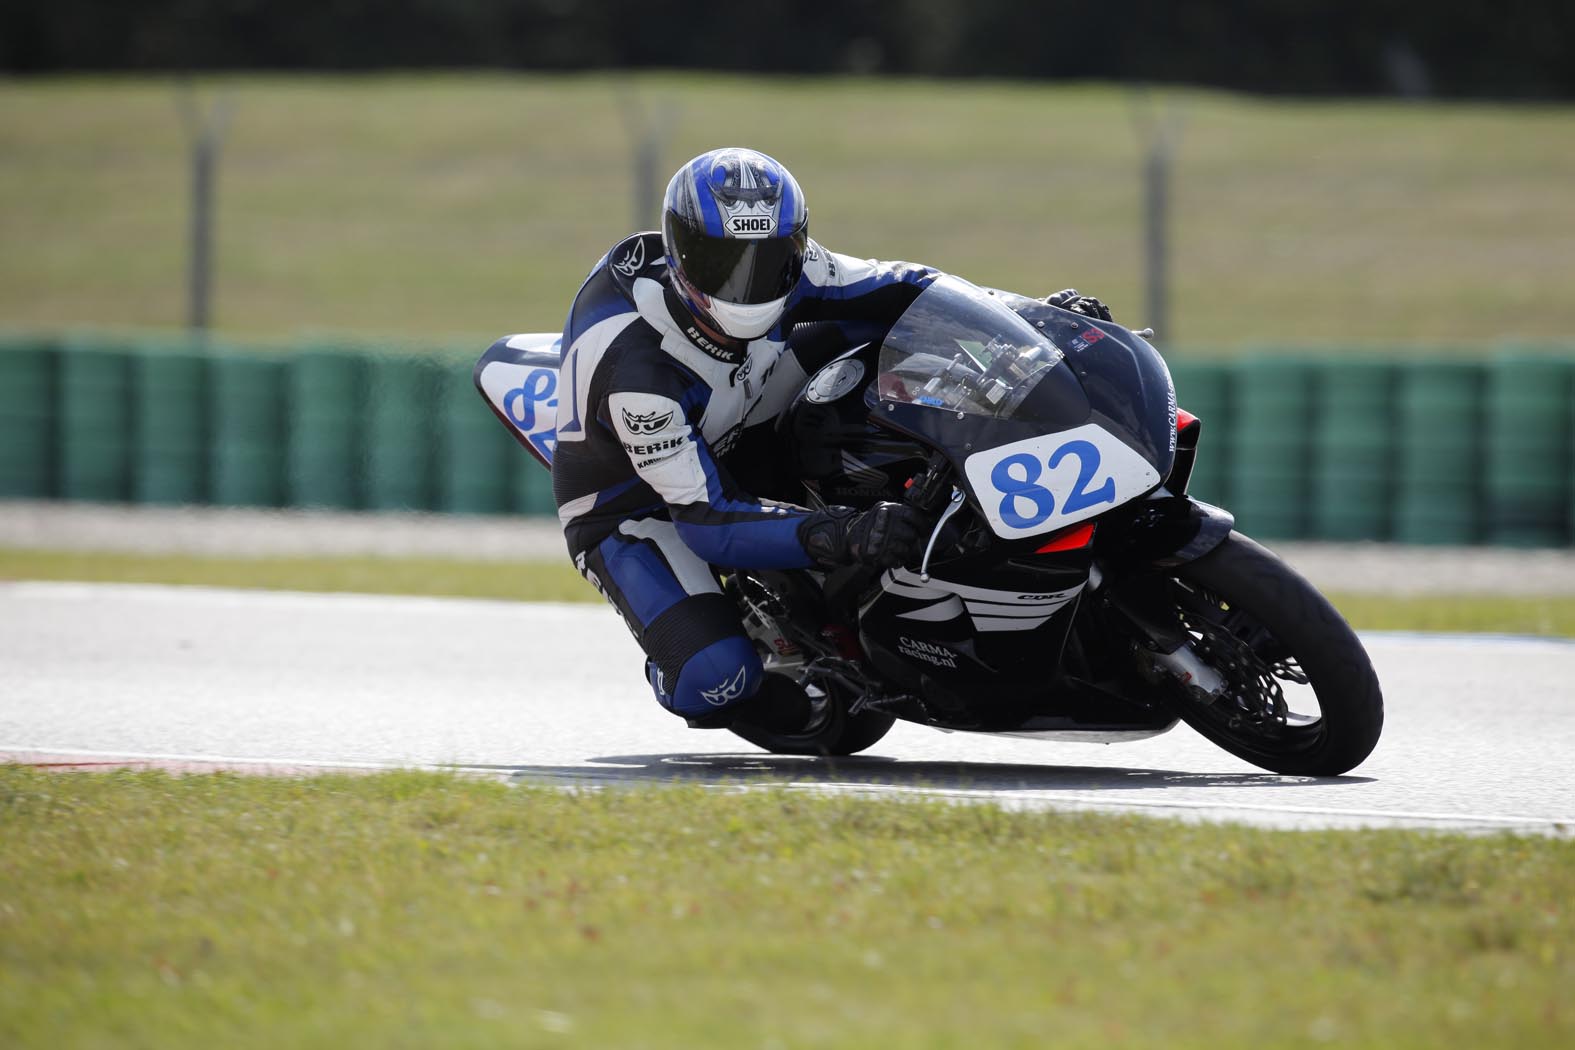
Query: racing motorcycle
{"points": [[1070, 588]]}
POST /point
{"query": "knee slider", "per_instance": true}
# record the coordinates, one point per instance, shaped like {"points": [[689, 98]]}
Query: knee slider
{"points": [[718, 676]]}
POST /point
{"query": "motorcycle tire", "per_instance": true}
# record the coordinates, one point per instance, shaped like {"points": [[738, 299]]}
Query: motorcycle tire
{"points": [[835, 733], [1272, 609]]}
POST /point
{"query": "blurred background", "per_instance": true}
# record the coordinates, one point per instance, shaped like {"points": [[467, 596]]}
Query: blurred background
{"points": [[249, 250]]}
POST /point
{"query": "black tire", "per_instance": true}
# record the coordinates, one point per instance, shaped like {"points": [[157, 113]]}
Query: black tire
{"points": [[1276, 614], [834, 733]]}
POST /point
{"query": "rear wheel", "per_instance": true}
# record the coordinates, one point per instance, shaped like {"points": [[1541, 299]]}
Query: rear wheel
{"points": [[831, 730], [1301, 695]]}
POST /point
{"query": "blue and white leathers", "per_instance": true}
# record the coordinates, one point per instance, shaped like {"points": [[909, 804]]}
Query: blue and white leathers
{"points": [[653, 416]]}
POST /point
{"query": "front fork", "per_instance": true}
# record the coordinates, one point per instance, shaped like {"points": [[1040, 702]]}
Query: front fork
{"points": [[1133, 555]]}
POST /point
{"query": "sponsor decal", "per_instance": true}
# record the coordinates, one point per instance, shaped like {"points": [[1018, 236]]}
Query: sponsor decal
{"points": [[751, 211], [835, 380], [929, 652], [724, 444], [989, 610], [1171, 404], [699, 339], [633, 260], [654, 453], [726, 690], [758, 223], [652, 448], [741, 376], [1089, 337], [648, 423]]}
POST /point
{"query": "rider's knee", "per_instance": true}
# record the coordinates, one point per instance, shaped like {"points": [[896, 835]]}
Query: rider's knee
{"points": [[712, 680]]}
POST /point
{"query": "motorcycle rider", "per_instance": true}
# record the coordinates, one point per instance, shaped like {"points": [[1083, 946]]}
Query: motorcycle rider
{"points": [[680, 351]]}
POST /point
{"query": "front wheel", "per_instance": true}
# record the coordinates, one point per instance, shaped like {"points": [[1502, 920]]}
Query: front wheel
{"points": [[1301, 695]]}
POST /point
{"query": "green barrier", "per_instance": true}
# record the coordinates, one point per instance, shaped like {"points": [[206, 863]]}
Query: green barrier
{"points": [[1204, 390], [27, 418], [1526, 480], [1353, 450], [326, 396], [169, 401], [531, 492], [1270, 456], [478, 459], [247, 409], [399, 435], [93, 406], [1439, 411]]}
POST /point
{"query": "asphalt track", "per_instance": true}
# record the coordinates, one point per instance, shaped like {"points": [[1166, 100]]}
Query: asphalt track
{"points": [[1480, 730]]}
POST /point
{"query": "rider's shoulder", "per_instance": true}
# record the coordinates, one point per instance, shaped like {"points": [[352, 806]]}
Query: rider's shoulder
{"points": [[638, 255], [820, 265], [609, 289]]}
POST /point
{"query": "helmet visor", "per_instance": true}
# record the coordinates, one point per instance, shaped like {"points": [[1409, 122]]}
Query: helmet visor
{"points": [[736, 269]]}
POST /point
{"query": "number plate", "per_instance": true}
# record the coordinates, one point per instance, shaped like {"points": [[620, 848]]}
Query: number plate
{"points": [[527, 395], [1045, 483]]}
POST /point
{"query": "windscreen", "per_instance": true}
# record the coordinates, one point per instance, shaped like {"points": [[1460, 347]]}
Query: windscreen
{"points": [[959, 349]]}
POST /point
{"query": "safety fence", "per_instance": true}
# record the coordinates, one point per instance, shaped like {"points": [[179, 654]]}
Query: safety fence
{"points": [[113, 420], [1427, 449]]}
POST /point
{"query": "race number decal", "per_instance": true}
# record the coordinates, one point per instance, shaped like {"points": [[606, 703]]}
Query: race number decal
{"points": [[1046, 483], [528, 398]]}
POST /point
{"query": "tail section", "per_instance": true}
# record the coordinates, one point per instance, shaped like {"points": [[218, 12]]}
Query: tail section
{"points": [[518, 379]]}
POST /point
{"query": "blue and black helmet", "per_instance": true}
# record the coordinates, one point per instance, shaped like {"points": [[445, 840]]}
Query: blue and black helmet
{"points": [[735, 230]]}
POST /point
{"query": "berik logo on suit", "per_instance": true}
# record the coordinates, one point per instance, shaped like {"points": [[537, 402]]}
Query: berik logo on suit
{"points": [[648, 423]]}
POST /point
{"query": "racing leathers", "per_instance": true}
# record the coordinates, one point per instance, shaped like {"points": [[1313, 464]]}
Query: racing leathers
{"points": [[656, 419]]}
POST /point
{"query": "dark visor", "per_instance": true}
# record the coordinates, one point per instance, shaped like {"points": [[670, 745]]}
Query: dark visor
{"points": [[735, 269]]}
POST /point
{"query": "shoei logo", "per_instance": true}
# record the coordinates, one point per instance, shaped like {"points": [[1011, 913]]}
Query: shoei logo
{"points": [[752, 224], [728, 690], [633, 260], [649, 423]]}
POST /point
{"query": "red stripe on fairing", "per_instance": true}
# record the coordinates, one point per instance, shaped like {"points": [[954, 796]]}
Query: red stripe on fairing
{"points": [[1070, 539], [1184, 419]]}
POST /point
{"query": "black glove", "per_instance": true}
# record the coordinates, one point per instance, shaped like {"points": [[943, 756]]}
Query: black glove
{"points": [[884, 536], [1087, 305]]}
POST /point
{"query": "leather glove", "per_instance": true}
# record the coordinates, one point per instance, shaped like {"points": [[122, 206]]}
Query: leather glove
{"points": [[885, 536], [1087, 305]]}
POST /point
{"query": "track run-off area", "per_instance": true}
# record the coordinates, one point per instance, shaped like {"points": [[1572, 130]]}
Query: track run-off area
{"points": [[1479, 733]]}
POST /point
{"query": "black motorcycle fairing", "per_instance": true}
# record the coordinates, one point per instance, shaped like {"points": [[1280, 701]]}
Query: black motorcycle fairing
{"points": [[1127, 383], [1103, 374], [1162, 531], [980, 640]]}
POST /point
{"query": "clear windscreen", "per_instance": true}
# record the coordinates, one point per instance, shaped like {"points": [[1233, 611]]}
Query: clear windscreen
{"points": [[960, 349]]}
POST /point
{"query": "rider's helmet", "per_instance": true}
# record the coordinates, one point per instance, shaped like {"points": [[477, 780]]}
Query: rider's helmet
{"points": [[735, 230]]}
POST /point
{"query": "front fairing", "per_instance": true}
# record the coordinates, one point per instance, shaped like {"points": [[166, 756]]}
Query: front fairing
{"points": [[1084, 420]]}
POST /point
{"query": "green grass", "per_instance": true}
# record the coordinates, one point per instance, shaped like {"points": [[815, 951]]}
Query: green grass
{"points": [[557, 581], [519, 581], [453, 208], [412, 910]]}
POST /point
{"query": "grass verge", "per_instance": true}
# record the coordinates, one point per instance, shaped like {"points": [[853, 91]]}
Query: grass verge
{"points": [[410, 909], [557, 581], [438, 208]]}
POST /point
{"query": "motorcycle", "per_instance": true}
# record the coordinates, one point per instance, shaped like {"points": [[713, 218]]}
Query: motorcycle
{"points": [[1070, 588]]}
